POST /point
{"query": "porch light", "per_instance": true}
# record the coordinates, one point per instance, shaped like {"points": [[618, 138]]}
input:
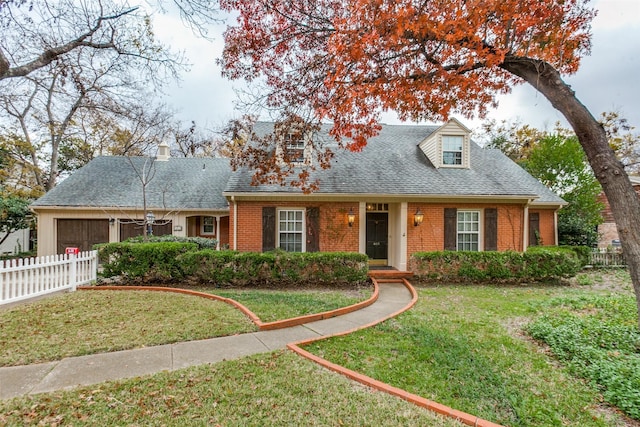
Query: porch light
{"points": [[418, 217], [351, 217]]}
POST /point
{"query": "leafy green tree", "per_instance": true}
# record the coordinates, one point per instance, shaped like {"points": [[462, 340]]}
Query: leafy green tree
{"points": [[560, 163], [14, 215]]}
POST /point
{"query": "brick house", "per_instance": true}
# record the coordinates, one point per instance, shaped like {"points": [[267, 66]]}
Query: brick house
{"points": [[607, 231], [412, 188]]}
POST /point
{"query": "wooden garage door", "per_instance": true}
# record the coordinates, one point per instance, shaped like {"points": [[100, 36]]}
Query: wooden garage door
{"points": [[81, 233], [129, 229]]}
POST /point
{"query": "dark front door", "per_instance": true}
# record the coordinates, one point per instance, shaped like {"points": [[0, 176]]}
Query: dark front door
{"points": [[377, 230]]}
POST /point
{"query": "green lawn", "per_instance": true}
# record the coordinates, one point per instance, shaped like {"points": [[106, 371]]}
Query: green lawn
{"points": [[464, 346], [272, 305], [86, 322], [273, 389]]}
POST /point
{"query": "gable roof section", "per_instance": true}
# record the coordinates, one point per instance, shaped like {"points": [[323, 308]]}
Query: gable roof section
{"points": [[392, 163], [112, 181]]}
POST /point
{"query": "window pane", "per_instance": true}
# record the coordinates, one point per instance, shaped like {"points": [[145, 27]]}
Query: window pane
{"points": [[452, 150], [468, 230], [290, 231]]}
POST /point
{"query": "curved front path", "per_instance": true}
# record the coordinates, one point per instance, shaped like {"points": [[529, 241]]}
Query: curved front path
{"points": [[395, 296], [92, 369]]}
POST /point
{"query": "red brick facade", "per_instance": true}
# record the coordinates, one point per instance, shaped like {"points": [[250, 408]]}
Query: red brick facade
{"points": [[547, 235], [336, 235], [429, 236]]}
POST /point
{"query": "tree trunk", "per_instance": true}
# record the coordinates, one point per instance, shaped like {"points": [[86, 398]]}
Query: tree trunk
{"points": [[622, 198]]}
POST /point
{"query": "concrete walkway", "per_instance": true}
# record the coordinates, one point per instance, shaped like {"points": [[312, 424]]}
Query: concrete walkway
{"points": [[93, 369]]}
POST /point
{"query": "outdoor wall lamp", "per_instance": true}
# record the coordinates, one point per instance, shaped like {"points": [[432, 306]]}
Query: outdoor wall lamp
{"points": [[418, 217], [112, 221], [351, 217]]}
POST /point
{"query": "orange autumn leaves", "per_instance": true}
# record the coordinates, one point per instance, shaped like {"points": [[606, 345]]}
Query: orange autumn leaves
{"points": [[347, 61]]}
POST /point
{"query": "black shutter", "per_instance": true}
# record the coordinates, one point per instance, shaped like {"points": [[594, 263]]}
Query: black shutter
{"points": [[268, 228], [313, 229], [491, 229], [534, 229], [450, 229]]}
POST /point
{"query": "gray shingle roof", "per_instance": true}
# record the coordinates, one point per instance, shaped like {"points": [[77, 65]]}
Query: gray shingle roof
{"points": [[393, 164], [112, 181], [390, 164]]}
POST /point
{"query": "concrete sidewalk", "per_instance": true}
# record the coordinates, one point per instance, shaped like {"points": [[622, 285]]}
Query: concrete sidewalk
{"points": [[92, 369]]}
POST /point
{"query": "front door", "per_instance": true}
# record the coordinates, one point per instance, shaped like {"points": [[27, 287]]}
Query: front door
{"points": [[377, 235]]}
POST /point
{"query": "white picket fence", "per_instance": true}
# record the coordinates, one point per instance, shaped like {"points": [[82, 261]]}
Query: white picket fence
{"points": [[31, 277], [607, 259]]}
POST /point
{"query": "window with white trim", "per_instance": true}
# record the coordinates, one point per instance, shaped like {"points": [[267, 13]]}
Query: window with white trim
{"points": [[294, 147], [208, 225], [291, 230], [452, 150], [468, 231]]}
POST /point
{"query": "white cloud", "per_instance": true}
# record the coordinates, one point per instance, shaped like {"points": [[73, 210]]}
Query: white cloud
{"points": [[606, 81]]}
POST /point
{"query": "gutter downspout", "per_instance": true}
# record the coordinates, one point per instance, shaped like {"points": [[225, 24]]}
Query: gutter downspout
{"points": [[525, 228], [235, 223], [218, 231], [555, 223]]}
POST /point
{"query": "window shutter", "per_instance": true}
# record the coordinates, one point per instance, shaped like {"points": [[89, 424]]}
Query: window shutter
{"points": [[491, 229], [450, 229], [534, 229], [268, 228], [313, 229]]}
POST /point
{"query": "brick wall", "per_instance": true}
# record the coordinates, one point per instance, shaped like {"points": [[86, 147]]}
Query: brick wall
{"points": [[547, 232], [429, 236], [224, 230], [335, 235]]}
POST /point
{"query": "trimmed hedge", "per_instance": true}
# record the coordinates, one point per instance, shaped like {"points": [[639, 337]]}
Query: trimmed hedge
{"points": [[143, 261], [202, 242], [541, 263], [229, 268], [583, 253], [166, 261]]}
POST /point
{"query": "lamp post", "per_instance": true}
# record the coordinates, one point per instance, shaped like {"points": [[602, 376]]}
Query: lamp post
{"points": [[150, 218]]}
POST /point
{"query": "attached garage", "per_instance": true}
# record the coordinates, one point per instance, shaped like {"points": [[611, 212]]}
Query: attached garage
{"points": [[81, 233]]}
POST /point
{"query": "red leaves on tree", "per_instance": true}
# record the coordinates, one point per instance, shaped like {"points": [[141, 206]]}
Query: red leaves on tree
{"points": [[345, 62]]}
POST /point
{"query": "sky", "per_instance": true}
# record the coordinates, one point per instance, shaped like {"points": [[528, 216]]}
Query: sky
{"points": [[608, 79]]}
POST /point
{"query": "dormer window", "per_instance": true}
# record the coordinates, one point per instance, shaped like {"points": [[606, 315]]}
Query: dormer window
{"points": [[452, 149], [449, 146], [294, 147]]}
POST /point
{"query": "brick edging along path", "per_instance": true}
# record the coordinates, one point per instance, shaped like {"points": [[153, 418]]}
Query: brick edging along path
{"points": [[263, 326], [436, 407]]}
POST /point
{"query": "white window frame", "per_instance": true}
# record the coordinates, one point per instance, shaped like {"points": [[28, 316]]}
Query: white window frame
{"points": [[466, 232], [457, 154], [286, 221], [203, 232], [294, 142]]}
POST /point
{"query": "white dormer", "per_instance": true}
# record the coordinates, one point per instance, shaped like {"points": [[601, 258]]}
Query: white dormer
{"points": [[163, 152], [448, 146], [296, 147]]}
